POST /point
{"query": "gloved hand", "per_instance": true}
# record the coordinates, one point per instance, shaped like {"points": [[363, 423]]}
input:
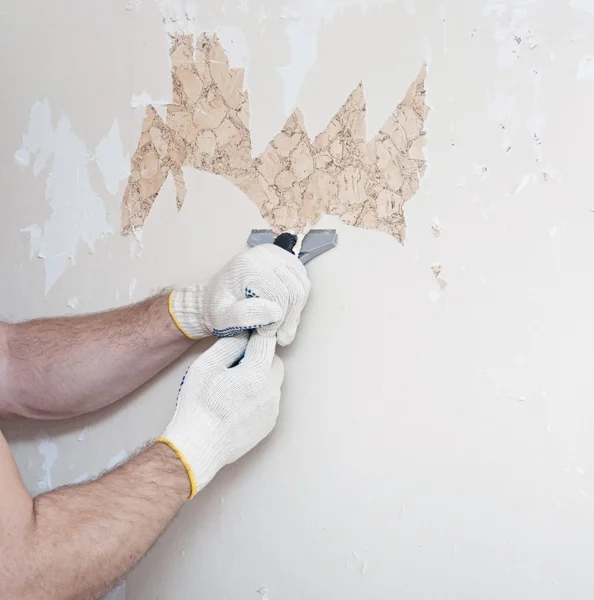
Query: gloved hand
{"points": [[223, 412], [263, 288]]}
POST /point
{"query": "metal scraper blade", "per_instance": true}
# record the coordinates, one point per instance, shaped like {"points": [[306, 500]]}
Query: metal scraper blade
{"points": [[314, 243]]}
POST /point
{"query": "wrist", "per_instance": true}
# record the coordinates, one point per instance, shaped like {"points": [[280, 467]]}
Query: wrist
{"points": [[183, 466], [180, 479], [186, 310]]}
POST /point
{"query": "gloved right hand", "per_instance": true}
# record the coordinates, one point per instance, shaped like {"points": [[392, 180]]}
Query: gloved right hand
{"points": [[263, 288], [223, 411]]}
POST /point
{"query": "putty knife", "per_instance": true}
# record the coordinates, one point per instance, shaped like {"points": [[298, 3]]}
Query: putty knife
{"points": [[314, 243]]}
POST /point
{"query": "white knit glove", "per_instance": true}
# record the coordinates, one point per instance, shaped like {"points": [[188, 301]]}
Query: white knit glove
{"points": [[263, 288], [222, 411]]}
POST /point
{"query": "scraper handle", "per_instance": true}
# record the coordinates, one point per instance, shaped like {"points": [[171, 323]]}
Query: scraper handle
{"points": [[286, 241]]}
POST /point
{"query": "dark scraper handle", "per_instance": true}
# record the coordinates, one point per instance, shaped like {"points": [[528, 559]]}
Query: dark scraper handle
{"points": [[286, 241]]}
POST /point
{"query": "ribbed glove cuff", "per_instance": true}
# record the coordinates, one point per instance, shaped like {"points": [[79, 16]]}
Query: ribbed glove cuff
{"points": [[185, 306], [200, 459], [185, 463]]}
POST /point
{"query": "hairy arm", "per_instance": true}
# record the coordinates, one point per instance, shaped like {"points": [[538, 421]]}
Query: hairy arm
{"points": [[56, 368], [78, 542]]}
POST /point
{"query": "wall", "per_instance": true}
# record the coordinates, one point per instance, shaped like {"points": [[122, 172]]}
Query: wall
{"points": [[436, 437]]}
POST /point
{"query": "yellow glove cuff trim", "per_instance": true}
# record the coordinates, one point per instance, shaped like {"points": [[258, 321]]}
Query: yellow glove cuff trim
{"points": [[185, 463], [170, 303]]}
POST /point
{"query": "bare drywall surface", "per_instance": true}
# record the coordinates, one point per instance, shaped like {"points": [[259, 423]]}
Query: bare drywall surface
{"points": [[294, 181], [434, 441]]}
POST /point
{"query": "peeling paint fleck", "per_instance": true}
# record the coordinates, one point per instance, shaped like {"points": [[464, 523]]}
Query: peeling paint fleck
{"points": [[436, 228], [436, 268]]}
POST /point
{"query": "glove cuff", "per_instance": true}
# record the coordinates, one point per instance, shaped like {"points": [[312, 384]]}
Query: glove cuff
{"points": [[198, 453], [186, 310], [185, 463]]}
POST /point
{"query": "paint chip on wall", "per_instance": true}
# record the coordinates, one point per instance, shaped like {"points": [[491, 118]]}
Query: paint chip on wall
{"points": [[436, 228], [295, 180], [111, 160], [78, 213], [436, 269]]}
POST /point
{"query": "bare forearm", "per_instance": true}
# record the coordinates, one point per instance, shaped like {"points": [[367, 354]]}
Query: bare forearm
{"points": [[81, 540], [62, 367]]}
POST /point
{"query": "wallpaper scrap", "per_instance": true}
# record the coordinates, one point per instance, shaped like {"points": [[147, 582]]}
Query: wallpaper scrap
{"points": [[295, 180]]}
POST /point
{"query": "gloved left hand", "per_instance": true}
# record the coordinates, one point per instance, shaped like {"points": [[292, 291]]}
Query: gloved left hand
{"points": [[263, 288], [223, 411]]}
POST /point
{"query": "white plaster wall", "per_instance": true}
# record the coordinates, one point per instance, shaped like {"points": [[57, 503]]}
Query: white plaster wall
{"points": [[431, 444]]}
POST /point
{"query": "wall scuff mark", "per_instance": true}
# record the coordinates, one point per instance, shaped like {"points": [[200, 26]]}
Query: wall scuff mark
{"points": [[294, 181]]}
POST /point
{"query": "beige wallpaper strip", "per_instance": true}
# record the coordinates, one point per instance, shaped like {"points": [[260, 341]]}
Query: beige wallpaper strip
{"points": [[294, 181]]}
